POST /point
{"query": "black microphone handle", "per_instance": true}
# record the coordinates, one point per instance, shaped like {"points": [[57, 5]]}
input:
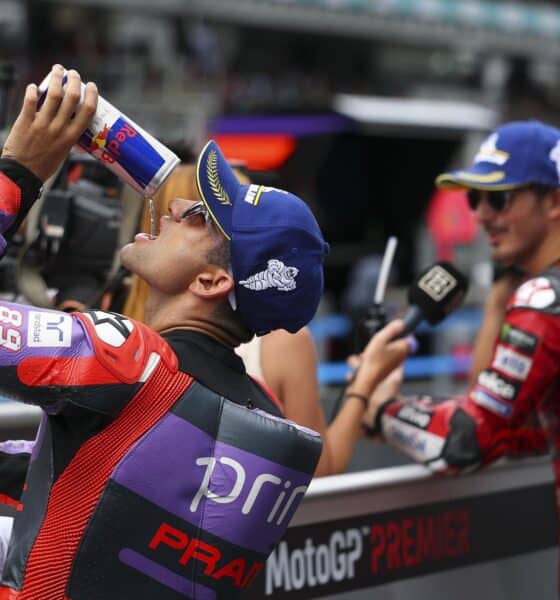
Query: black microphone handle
{"points": [[413, 317]]}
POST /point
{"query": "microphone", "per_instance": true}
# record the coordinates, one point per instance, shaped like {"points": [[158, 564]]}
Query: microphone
{"points": [[439, 290], [376, 317]]}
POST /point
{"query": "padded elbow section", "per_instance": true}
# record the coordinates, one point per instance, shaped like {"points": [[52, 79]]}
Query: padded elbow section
{"points": [[461, 448]]}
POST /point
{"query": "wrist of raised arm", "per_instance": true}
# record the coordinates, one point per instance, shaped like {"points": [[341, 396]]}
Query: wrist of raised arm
{"points": [[19, 188], [29, 184]]}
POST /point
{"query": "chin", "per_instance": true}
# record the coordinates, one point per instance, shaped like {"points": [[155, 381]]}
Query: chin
{"points": [[506, 259], [500, 254], [128, 257]]}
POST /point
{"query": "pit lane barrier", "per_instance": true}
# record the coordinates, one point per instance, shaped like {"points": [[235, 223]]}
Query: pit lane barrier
{"points": [[402, 533]]}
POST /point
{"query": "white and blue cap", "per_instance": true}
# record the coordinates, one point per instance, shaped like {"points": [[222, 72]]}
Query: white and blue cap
{"points": [[513, 155], [276, 246]]}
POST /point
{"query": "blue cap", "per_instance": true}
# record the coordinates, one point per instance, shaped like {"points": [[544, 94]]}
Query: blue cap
{"points": [[513, 155], [276, 246]]}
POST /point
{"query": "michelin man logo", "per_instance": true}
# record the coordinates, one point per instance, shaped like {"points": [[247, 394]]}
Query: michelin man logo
{"points": [[489, 153], [276, 275]]}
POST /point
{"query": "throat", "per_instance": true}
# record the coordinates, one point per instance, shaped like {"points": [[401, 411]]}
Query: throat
{"points": [[164, 314], [220, 334]]}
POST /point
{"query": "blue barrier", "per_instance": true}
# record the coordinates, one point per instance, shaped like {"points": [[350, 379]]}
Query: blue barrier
{"points": [[339, 325], [417, 367], [335, 325], [469, 318]]}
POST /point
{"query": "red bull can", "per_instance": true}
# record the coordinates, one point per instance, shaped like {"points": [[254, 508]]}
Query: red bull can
{"points": [[126, 149]]}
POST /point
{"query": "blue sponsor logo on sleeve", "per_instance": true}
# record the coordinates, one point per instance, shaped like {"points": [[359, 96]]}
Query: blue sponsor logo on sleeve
{"points": [[496, 406]]}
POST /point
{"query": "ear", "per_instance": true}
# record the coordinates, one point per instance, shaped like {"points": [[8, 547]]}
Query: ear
{"points": [[552, 200], [213, 282]]}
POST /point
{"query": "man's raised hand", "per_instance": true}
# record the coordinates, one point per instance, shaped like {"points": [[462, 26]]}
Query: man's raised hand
{"points": [[41, 137]]}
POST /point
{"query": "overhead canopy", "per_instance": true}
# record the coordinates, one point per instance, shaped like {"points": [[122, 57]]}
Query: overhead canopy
{"points": [[415, 112], [298, 125], [519, 28]]}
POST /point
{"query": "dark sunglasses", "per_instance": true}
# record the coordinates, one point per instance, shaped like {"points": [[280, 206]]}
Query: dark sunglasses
{"points": [[498, 200], [199, 208]]}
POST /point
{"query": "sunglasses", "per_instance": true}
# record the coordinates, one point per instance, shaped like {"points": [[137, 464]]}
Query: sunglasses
{"points": [[498, 200], [199, 208]]}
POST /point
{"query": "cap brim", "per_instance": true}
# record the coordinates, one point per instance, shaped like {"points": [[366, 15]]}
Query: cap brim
{"points": [[479, 177], [217, 185]]}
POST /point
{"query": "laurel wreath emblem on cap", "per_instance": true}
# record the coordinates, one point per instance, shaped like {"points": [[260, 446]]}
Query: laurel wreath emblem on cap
{"points": [[214, 179]]}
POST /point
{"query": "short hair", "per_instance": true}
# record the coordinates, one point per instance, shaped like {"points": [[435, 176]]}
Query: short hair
{"points": [[541, 189], [220, 254]]}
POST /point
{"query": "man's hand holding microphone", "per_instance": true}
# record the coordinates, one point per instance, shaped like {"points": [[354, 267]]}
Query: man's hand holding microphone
{"points": [[385, 352], [439, 290]]}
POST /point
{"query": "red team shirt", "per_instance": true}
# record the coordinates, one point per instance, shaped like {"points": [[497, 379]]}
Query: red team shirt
{"points": [[497, 414]]}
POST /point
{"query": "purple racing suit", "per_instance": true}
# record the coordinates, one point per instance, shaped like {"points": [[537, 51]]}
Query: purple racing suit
{"points": [[160, 470]]}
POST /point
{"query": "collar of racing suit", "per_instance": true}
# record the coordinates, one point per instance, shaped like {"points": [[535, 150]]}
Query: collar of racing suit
{"points": [[219, 368]]}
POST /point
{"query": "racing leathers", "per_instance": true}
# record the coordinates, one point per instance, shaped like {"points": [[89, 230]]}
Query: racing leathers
{"points": [[497, 415], [14, 462], [160, 470]]}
